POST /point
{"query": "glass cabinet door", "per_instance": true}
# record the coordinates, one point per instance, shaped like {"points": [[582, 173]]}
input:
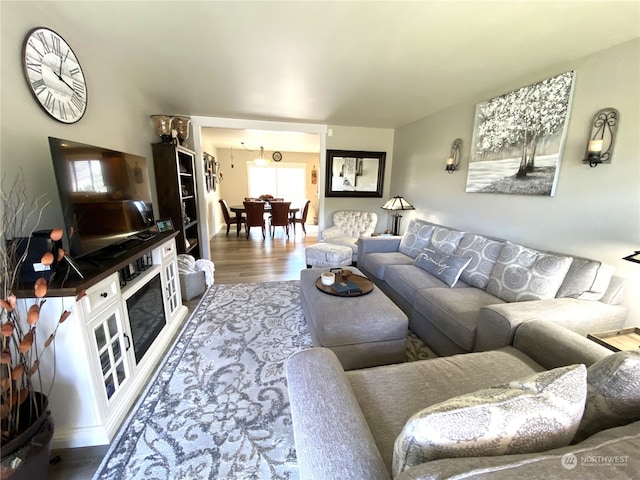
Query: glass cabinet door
{"points": [[112, 344], [171, 290]]}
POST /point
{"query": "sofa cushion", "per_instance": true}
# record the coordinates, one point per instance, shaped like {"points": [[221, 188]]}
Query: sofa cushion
{"points": [[534, 414], [375, 263], [483, 253], [613, 393], [445, 266], [416, 237], [522, 273], [445, 239], [586, 280], [390, 395], [406, 280], [351, 242], [610, 454], [454, 311]]}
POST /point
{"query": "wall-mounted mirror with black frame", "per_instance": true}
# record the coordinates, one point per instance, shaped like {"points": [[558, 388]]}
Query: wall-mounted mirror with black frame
{"points": [[352, 173]]}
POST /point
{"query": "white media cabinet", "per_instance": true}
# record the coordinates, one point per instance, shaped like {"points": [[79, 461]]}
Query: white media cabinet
{"points": [[97, 377]]}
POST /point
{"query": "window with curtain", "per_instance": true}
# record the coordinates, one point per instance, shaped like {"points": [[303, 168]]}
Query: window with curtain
{"points": [[282, 181]]}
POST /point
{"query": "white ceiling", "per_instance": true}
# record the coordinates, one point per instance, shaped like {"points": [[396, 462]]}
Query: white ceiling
{"points": [[360, 63]]}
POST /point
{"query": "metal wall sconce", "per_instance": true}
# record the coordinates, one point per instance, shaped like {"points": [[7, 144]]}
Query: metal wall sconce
{"points": [[453, 162], [602, 137]]}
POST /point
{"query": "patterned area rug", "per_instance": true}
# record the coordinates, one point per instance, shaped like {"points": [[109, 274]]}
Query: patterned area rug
{"points": [[217, 407]]}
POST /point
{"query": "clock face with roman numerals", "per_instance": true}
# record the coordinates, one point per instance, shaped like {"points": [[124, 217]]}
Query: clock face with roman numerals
{"points": [[54, 75]]}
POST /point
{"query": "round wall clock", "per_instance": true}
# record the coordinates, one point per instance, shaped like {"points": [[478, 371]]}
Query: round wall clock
{"points": [[277, 156], [54, 75]]}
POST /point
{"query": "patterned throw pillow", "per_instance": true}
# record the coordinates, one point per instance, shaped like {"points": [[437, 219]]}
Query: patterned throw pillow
{"points": [[586, 280], [416, 237], [522, 273], [446, 240], [483, 253], [613, 393], [537, 413], [442, 265]]}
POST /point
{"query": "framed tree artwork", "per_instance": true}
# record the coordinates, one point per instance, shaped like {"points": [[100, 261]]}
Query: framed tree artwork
{"points": [[353, 173], [518, 139]]}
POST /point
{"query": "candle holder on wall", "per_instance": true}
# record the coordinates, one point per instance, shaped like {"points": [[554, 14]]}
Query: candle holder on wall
{"points": [[453, 162], [602, 137]]}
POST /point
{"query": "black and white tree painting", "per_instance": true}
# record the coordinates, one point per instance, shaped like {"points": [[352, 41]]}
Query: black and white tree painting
{"points": [[518, 139]]}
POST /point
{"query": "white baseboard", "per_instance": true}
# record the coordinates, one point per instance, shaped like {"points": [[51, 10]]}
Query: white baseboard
{"points": [[78, 437]]}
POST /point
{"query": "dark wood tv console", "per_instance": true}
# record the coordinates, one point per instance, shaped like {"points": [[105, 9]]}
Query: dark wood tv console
{"points": [[96, 268]]}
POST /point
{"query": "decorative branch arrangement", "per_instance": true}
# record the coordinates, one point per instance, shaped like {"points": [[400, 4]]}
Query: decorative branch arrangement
{"points": [[22, 347]]}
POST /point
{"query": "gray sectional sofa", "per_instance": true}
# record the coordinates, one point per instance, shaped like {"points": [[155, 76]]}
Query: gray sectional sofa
{"points": [[458, 307], [346, 423]]}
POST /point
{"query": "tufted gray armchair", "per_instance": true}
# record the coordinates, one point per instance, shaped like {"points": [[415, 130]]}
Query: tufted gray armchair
{"points": [[347, 226]]}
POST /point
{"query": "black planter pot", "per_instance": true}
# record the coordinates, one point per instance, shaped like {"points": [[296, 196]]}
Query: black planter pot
{"points": [[27, 455]]}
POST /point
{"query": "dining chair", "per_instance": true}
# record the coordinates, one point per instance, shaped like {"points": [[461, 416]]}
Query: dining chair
{"points": [[255, 216], [279, 217], [231, 220], [302, 219]]}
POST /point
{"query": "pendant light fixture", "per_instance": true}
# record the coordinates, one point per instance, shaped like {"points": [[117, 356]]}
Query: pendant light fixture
{"points": [[261, 160]]}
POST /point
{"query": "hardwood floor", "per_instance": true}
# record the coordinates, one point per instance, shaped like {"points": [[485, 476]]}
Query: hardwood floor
{"points": [[237, 260], [242, 260]]}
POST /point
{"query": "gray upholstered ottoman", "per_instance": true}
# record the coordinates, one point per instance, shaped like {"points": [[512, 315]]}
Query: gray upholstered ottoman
{"points": [[328, 255], [363, 331]]}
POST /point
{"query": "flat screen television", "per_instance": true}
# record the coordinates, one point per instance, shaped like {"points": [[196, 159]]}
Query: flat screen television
{"points": [[105, 197]]}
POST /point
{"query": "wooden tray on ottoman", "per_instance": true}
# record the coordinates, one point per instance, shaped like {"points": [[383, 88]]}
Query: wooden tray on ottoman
{"points": [[617, 340], [366, 286]]}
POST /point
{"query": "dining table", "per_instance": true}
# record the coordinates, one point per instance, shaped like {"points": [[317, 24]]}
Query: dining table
{"points": [[239, 210]]}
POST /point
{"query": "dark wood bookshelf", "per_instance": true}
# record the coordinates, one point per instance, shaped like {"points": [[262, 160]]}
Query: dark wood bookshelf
{"points": [[176, 187]]}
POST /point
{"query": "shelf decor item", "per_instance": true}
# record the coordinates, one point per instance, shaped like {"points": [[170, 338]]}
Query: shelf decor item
{"points": [[27, 346], [163, 126], [181, 126]]}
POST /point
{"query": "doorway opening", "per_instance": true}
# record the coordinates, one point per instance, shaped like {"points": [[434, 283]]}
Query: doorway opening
{"points": [[255, 134]]}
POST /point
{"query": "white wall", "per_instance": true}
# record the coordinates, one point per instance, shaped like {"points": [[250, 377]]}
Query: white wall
{"points": [[595, 211], [117, 114], [213, 216]]}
